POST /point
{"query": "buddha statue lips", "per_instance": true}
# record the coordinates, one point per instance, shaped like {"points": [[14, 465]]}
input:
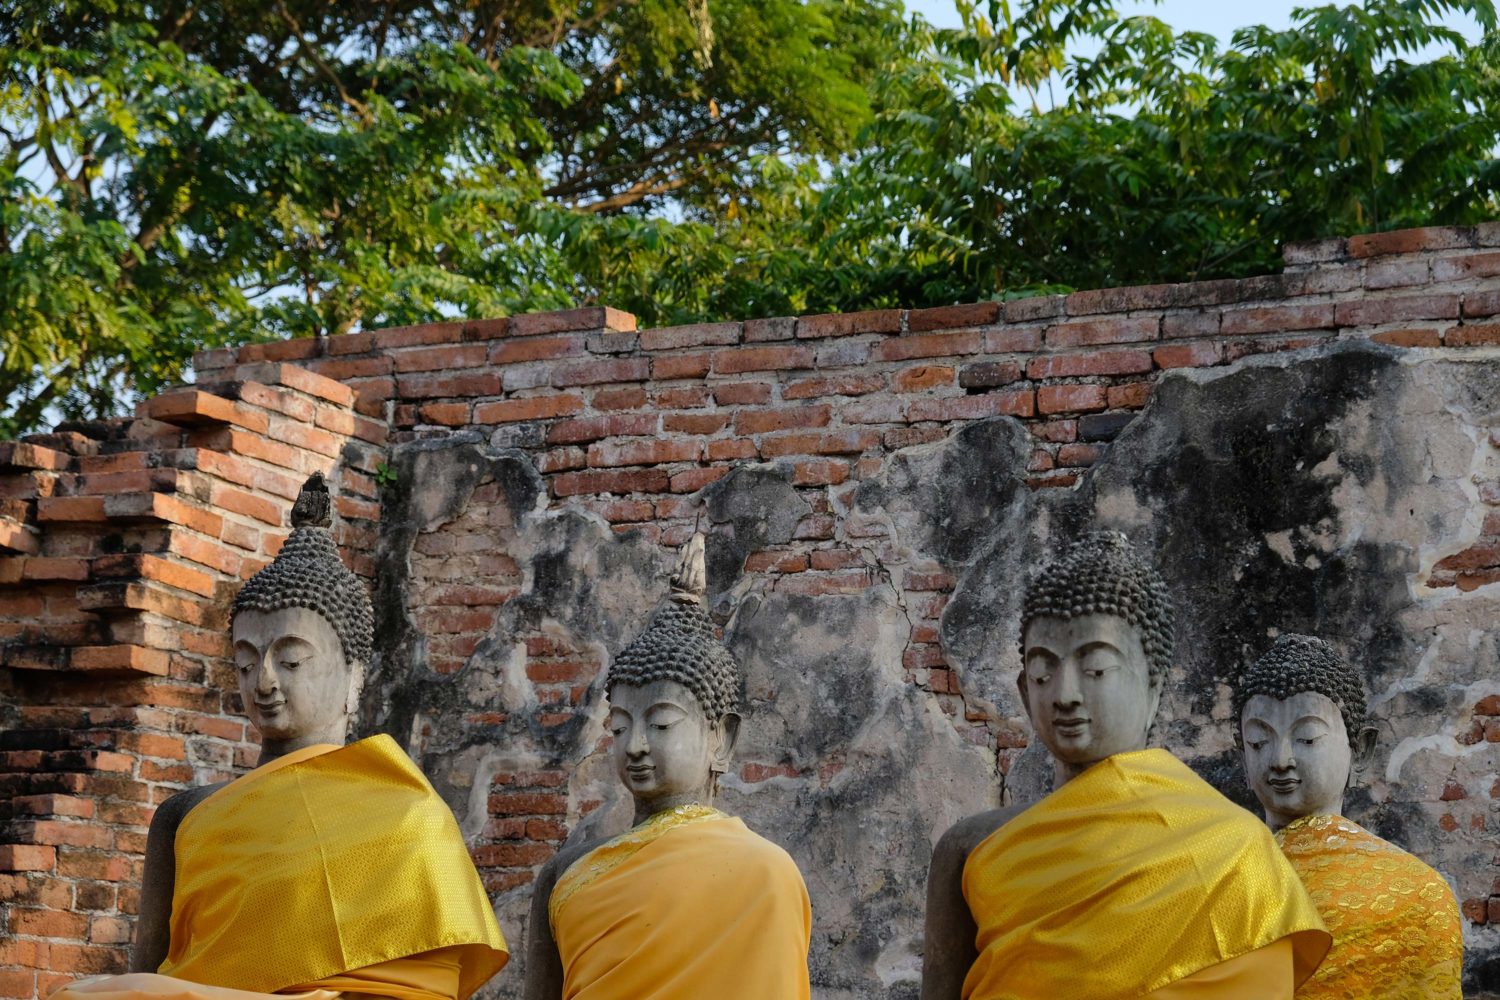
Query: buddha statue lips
{"points": [[1395, 923], [261, 885], [690, 902]]}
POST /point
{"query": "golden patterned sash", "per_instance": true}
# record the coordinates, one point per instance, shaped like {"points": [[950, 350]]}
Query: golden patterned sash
{"points": [[1394, 920]]}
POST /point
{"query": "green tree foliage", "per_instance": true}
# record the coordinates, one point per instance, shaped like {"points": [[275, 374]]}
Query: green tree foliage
{"points": [[1007, 162], [176, 175], [183, 174]]}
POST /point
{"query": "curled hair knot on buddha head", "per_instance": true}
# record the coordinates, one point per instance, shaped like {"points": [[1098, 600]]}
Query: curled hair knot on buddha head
{"points": [[1101, 573], [307, 573], [1298, 663], [679, 644]]}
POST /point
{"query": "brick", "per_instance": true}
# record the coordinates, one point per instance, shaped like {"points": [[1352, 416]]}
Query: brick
{"points": [[70, 510], [1078, 455], [602, 372], [238, 502], [1093, 363], [649, 452], [678, 366], [775, 562], [1090, 333], [1407, 241], [953, 317], [299, 378], [1200, 355], [755, 359], [847, 442], [781, 418], [1486, 303], [822, 584], [25, 455], [27, 858], [347, 368], [1199, 323], [921, 378], [448, 385], [427, 359], [193, 408], [1411, 337], [928, 345], [530, 408], [741, 393], [49, 924], [571, 321], [1054, 431], [671, 338], [758, 331], [731, 448], [584, 429], [51, 568], [620, 399], [694, 423], [1277, 319], [1472, 336], [419, 335], [16, 537], [510, 352], [120, 659], [1019, 403], [694, 480], [1302, 252], [1094, 301], [611, 481], [988, 374], [1131, 395], [819, 472], [1034, 307], [1402, 309], [444, 414], [849, 324], [91, 960], [1070, 398], [1397, 274], [681, 398], [836, 385]]}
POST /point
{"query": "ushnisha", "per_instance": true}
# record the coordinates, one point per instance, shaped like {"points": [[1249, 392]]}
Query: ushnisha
{"points": [[1395, 923], [328, 868], [1133, 878], [689, 903]]}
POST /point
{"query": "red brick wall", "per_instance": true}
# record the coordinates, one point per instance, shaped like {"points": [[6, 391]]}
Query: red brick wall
{"points": [[121, 543]]}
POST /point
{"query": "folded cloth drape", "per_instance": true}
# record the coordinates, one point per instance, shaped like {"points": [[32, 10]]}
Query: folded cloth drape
{"points": [[329, 869], [1396, 929], [689, 905], [1130, 877]]}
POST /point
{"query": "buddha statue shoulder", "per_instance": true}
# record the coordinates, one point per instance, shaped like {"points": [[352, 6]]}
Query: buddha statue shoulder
{"points": [[263, 884], [688, 903], [1395, 922], [1133, 877]]}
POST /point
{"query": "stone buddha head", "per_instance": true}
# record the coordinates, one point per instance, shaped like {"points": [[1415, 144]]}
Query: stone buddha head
{"points": [[1301, 726], [302, 630], [1096, 645], [673, 700]]}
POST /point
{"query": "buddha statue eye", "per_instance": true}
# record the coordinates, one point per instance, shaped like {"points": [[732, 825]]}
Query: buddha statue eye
{"points": [[1255, 744]]}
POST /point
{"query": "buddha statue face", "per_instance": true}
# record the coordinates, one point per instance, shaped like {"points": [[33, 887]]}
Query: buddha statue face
{"points": [[1301, 728], [666, 750], [295, 682], [1087, 686], [1096, 644], [1297, 757]]}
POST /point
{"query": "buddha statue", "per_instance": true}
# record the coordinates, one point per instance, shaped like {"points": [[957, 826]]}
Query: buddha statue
{"points": [[1395, 923], [1133, 877], [689, 903], [328, 868]]}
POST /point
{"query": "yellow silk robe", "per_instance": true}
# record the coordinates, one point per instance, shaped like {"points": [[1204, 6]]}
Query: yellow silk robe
{"points": [[1133, 877], [1395, 923], [326, 870], [690, 905]]}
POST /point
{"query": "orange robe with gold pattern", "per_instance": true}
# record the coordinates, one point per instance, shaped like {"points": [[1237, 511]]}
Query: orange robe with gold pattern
{"points": [[327, 870], [1395, 923], [689, 905]]}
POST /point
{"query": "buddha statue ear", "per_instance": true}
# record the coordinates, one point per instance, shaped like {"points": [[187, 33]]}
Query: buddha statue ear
{"points": [[723, 735], [1362, 750]]}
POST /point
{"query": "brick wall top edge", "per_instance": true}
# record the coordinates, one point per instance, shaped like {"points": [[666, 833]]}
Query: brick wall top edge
{"points": [[1343, 252]]}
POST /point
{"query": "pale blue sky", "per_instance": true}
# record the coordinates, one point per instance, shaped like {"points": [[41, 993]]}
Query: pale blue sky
{"points": [[1216, 17]]}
